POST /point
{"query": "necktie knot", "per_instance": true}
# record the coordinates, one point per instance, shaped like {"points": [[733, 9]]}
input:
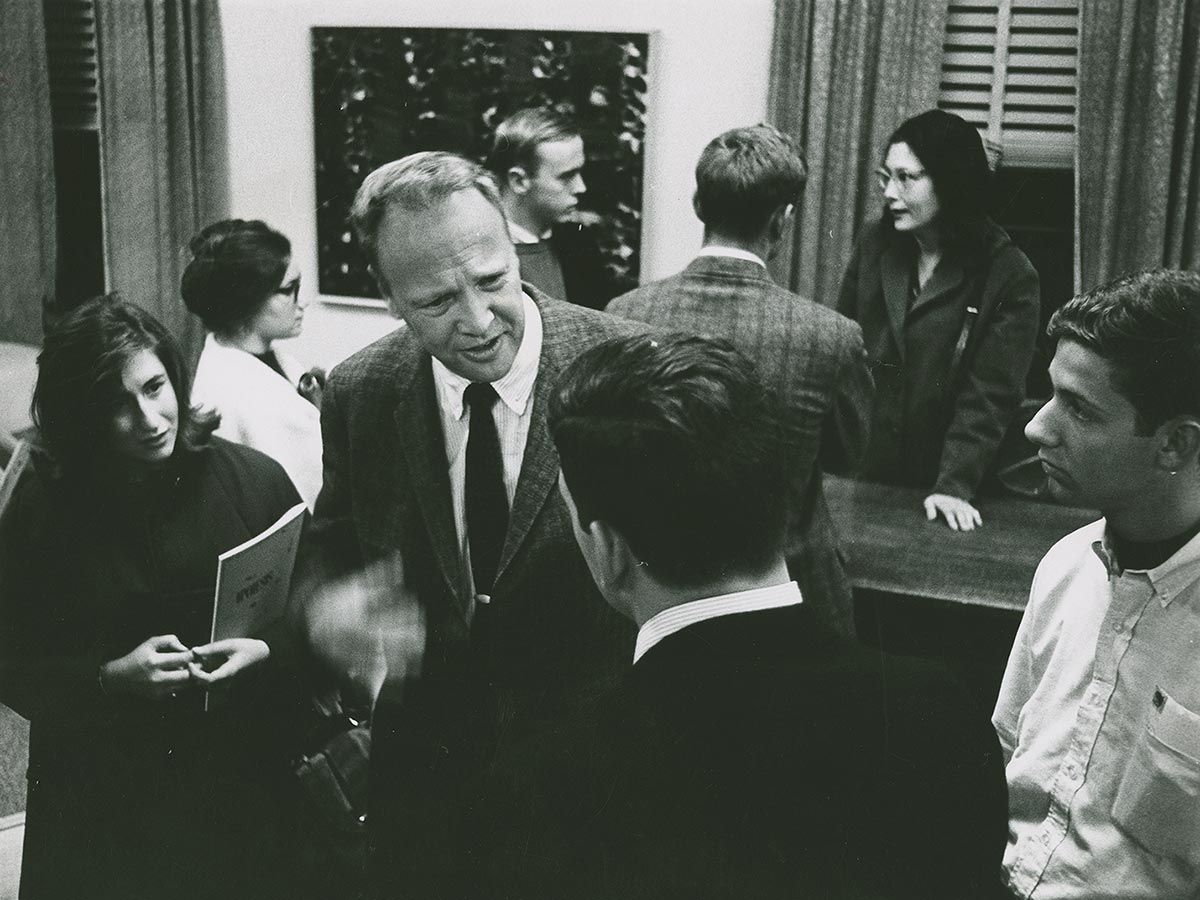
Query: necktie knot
{"points": [[481, 396]]}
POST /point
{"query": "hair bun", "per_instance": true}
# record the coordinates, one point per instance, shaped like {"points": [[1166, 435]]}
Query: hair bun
{"points": [[210, 238]]}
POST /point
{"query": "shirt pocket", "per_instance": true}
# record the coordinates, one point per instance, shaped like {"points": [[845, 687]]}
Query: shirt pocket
{"points": [[1158, 798]]}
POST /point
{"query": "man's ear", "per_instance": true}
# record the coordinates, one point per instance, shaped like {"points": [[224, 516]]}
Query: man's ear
{"points": [[384, 291], [517, 179], [778, 223], [1180, 445], [611, 552], [696, 205]]}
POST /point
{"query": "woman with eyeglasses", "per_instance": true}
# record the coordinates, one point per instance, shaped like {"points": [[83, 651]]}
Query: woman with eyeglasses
{"points": [[108, 563], [949, 308], [245, 288]]}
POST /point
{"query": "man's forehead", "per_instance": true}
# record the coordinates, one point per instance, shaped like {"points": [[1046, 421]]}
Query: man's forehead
{"points": [[1084, 372]]}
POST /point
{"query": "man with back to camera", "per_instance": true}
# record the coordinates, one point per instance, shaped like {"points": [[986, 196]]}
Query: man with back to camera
{"points": [[436, 448], [748, 181], [537, 156], [1099, 710], [750, 752]]}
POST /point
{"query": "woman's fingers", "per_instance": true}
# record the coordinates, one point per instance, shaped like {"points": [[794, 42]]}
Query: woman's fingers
{"points": [[171, 661], [958, 514], [166, 643]]}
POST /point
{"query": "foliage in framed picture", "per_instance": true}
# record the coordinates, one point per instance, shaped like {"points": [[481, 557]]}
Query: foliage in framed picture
{"points": [[381, 93]]}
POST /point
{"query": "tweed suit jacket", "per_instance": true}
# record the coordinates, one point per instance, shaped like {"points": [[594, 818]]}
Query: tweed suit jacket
{"points": [[551, 637], [813, 358]]}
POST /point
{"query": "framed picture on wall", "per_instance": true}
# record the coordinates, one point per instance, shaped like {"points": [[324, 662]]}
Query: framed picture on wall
{"points": [[381, 93]]}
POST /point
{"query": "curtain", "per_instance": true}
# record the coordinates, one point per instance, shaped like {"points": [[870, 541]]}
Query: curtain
{"points": [[163, 147], [844, 74], [27, 216], [1138, 160]]}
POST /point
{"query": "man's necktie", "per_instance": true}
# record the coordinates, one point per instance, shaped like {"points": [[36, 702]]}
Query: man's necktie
{"points": [[486, 500]]}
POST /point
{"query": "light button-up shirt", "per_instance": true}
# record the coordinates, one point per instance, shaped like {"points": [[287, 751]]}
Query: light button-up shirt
{"points": [[1099, 717], [512, 415]]}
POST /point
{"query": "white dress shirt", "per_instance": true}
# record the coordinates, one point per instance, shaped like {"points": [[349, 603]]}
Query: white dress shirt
{"points": [[679, 617], [730, 253], [1099, 719], [512, 415]]}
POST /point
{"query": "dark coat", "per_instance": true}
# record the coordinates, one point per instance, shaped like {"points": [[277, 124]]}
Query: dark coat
{"points": [[937, 423], [813, 359], [551, 637], [129, 798], [753, 755]]}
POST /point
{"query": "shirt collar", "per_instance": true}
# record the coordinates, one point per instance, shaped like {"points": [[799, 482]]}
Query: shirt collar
{"points": [[521, 235], [515, 388], [676, 618], [1169, 579], [730, 253]]}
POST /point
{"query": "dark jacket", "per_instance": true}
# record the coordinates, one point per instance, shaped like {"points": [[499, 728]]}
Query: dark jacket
{"points": [[551, 638], [814, 361], [128, 795], [753, 755], [941, 411]]}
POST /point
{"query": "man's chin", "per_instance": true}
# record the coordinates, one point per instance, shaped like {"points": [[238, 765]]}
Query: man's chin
{"points": [[489, 368], [1060, 491]]}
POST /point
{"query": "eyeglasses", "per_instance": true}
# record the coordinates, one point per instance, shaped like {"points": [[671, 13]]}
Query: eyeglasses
{"points": [[291, 289], [903, 178]]}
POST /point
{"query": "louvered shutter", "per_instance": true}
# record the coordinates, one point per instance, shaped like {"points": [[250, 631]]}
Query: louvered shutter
{"points": [[71, 58], [1009, 68]]}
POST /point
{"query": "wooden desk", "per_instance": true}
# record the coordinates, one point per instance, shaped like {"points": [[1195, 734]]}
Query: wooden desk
{"points": [[892, 548]]}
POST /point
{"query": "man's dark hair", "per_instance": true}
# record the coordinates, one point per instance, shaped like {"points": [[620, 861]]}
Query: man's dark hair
{"points": [[674, 442], [744, 176], [517, 138], [1147, 326], [951, 152], [79, 376]]}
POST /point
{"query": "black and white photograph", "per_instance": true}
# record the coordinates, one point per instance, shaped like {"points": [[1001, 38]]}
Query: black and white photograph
{"points": [[642, 449]]}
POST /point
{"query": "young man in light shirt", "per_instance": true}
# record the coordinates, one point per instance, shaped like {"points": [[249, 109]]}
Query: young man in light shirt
{"points": [[1099, 710]]}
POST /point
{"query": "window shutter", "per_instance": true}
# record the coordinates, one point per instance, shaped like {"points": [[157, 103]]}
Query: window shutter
{"points": [[1009, 68], [71, 58]]}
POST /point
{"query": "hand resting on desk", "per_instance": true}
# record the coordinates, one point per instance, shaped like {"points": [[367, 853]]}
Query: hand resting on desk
{"points": [[959, 514]]}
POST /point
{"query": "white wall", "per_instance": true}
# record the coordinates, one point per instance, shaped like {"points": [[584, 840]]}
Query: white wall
{"points": [[708, 68]]}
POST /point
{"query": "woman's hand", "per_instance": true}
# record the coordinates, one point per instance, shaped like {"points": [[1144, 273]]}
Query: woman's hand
{"points": [[959, 514], [156, 668], [218, 662]]}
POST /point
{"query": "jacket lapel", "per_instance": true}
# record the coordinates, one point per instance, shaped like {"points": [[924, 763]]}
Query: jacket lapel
{"points": [[945, 279], [420, 434], [539, 466], [894, 271]]}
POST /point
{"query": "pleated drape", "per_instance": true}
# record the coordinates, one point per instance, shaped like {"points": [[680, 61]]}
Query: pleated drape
{"points": [[27, 215], [844, 74], [163, 146], [1138, 156]]}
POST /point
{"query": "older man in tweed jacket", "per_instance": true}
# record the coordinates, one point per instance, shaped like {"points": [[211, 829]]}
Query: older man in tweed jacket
{"points": [[747, 182], [525, 635]]}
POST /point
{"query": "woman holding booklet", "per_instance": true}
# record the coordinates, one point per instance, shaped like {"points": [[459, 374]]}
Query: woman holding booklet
{"points": [[108, 560]]}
